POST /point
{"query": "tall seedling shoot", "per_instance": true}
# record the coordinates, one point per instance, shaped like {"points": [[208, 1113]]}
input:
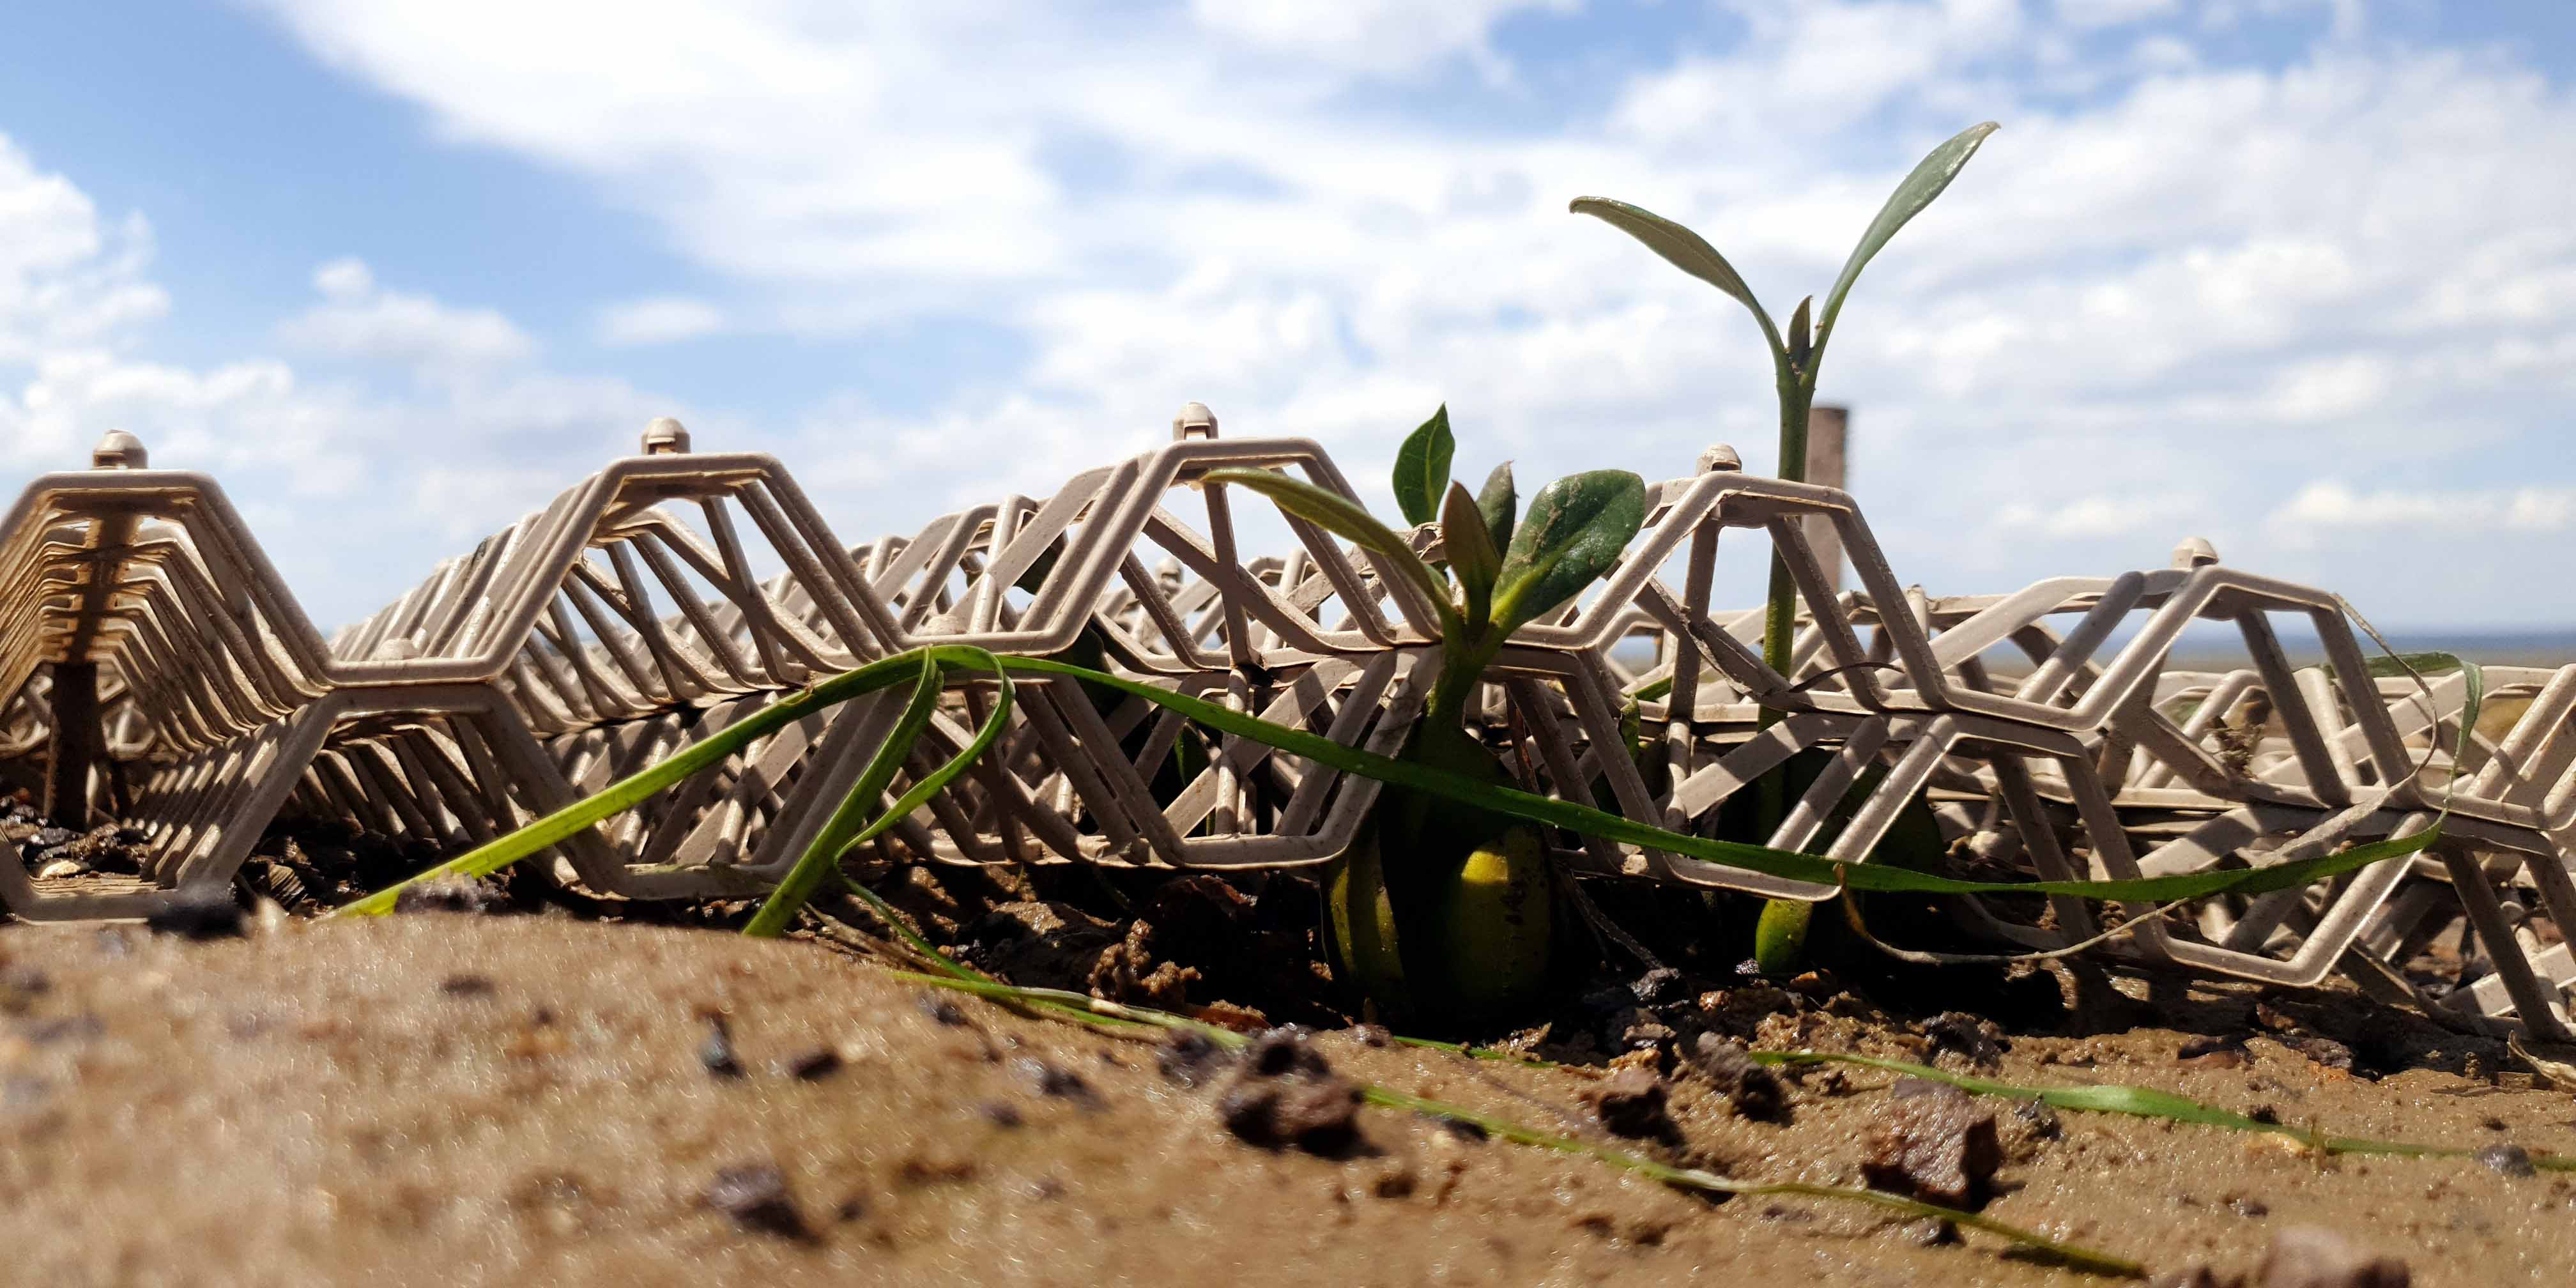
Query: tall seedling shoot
{"points": [[1795, 359], [1440, 912]]}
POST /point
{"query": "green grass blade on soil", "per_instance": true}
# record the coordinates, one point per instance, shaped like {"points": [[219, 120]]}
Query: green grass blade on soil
{"points": [[628, 792], [2147, 1102], [1457, 788], [844, 830], [1804, 867], [1092, 1010]]}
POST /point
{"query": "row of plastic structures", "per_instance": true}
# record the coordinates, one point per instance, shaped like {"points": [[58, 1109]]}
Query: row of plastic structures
{"points": [[1917, 697], [631, 656], [2268, 763], [630, 661]]}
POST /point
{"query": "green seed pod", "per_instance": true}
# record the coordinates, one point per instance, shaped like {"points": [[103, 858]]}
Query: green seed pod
{"points": [[1495, 922]]}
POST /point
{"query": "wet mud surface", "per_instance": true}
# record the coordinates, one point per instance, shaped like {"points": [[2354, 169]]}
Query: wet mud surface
{"points": [[446, 1098]]}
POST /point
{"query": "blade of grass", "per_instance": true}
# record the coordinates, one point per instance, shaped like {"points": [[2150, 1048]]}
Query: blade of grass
{"points": [[1755, 858], [626, 793], [2415, 666], [2147, 1102], [1089, 1009], [1458, 788], [844, 830]]}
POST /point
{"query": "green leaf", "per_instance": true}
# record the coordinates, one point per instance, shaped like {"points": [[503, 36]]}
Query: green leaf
{"points": [[822, 858], [1471, 552], [634, 789], [1577, 528], [1801, 339], [1465, 790], [2473, 678], [1500, 505], [1347, 519], [1122, 1016], [1422, 468], [1932, 174], [887, 672], [2148, 1102], [1683, 249]]}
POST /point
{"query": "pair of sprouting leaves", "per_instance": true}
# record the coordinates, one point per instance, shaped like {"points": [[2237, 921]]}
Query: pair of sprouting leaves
{"points": [[1796, 355], [1510, 568]]}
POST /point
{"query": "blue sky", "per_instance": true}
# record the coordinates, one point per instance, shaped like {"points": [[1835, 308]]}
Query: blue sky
{"points": [[2295, 276]]}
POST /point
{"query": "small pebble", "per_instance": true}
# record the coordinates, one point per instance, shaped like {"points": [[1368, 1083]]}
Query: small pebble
{"points": [[2213, 1053], [1973, 1038], [1282, 1050], [198, 914], [755, 1196], [716, 1054], [1935, 1144], [1062, 1083], [2324, 1050], [1657, 986], [2511, 1160], [1633, 1103], [1318, 1113], [2041, 1117], [1752, 1090], [1285, 1093], [2194, 1277], [464, 895], [815, 1065], [1188, 1058]]}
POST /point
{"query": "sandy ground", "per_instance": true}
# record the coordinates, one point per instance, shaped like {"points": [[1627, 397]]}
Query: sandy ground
{"points": [[452, 1099]]}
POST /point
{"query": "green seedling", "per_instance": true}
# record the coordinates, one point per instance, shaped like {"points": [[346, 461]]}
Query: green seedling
{"points": [[1795, 359], [1439, 911]]}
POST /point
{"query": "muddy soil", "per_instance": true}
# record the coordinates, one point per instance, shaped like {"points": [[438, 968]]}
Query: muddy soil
{"points": [[514, 1099]]}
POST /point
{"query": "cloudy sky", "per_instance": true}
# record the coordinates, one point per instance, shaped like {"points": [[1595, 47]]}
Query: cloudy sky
{"points": [[2297, 277]]}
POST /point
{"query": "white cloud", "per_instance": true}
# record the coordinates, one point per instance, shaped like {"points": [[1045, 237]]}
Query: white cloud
{"points": [[358, 321], [2112, 13], [346, 278], [660, 320], [355, 482], [2330, 505], [2171, 275], [1375, 36], [2100, 516], [66, 276]]}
